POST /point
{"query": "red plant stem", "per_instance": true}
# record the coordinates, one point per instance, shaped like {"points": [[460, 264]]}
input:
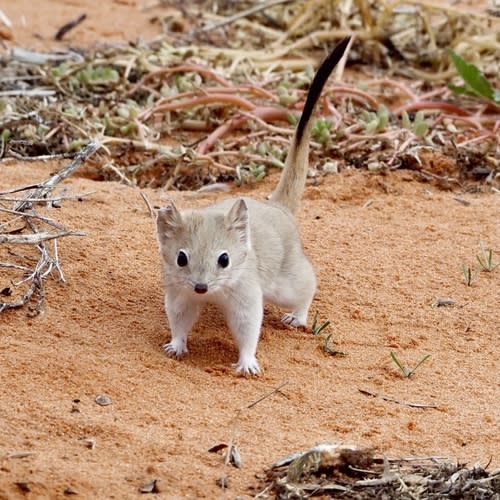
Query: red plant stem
{"points": [[179, 69], [357, 93], [437, 105], [481, 137], [197, 101], [327, 103], [401, 86], [265, 113]]}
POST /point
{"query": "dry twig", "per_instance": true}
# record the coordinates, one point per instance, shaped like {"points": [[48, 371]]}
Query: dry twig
{"points": [[45, 242]]}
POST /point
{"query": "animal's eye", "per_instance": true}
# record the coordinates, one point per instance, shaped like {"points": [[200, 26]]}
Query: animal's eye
{"points": [[223, 260], [182, 259]]}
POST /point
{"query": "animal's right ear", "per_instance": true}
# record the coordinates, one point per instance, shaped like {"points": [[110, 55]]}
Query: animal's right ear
{"points": [[168, 221]]}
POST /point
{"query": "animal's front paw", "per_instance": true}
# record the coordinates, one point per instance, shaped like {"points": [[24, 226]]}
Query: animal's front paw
{"points": [[292, 320], [175, 348], [247, 366]]}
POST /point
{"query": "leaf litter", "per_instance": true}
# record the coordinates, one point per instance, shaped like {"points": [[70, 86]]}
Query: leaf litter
{"points": [[217, 102], [347, 471]]}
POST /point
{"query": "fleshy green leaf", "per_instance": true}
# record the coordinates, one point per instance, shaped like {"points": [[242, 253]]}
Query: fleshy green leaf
{"points": [[475, 82]]}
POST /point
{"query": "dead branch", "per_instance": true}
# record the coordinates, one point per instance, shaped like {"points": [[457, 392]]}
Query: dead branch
{"points": [[398, 401], [36, 238], [45, 242], [48, 185]]}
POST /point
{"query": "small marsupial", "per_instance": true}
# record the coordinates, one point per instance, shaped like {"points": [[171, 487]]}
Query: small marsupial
{"points": [[241, 253]]}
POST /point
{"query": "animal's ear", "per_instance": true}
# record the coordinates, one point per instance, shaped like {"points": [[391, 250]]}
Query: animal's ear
{"points": [[168, 221], [237, 221]]}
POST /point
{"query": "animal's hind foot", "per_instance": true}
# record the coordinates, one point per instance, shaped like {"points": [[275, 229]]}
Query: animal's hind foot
{"points": [[294, 320]]}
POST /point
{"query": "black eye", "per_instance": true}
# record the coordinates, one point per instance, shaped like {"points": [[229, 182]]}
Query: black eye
{"points": [[223, 260], [182, 259]]}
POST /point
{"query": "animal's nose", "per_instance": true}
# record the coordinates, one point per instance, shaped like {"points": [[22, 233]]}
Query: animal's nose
{"points": [[201, 288]]}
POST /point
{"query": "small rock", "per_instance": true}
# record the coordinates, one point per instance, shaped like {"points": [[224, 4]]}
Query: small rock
{"points": [[234, 457], [374, 166], [444, 301], [23, 486], [151, 487], [89, 443], [103, 400], [330, 167]]}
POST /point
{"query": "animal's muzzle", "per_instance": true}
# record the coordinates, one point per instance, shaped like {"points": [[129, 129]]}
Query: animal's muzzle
{"points": [[201, 288]]}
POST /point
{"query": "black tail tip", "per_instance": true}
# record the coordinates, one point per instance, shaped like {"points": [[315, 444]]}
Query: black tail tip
{"points": [[341, 47]]}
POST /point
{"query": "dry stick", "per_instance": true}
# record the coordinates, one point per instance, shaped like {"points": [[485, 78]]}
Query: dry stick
{"points": [[220, 166], [479, 138], [232, 438], [248, 156], [69, 26], [18, 189], [393, 400], [55, 199], [269, 394], [189, 103], [35, 238], [356, 94], [49, 184], [10, 265], [152, 213], [399, 150], [21, 215], [242, 14], [339, 70], [21, 302], [440, 106], [57, 156], [258, 112], [387, 81]]}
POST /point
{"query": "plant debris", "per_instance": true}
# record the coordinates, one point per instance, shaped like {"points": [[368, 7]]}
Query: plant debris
{"points": [[347, 471], [214, 103], [24, 224]]}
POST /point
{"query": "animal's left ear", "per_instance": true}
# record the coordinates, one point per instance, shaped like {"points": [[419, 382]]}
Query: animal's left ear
{"points": [[168, 222], [237, 221]]}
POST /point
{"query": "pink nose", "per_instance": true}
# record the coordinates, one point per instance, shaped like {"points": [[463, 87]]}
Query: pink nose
{"points": [[201, 288]]}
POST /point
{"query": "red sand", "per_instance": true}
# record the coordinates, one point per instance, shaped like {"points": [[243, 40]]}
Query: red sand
{"points": [[381, 266]]}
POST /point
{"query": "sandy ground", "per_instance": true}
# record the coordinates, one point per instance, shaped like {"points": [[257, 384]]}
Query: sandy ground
{"points": [[385, 249]]}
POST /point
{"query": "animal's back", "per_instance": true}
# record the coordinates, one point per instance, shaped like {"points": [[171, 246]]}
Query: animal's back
{"points": [[277, 247]]}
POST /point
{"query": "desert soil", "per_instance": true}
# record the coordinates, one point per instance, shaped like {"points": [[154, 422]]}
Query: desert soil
{"points": [[385, 249]]}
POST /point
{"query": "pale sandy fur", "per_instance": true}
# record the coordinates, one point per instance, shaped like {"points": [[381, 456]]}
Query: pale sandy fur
{"points": [[241, 253]]}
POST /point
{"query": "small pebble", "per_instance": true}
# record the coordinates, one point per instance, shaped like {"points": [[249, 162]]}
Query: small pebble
{"points": [[151, 487], [103, 400], [443, 301]]}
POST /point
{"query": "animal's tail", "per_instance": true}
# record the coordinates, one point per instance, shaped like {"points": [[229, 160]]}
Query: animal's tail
{"points": [[291, 185]]}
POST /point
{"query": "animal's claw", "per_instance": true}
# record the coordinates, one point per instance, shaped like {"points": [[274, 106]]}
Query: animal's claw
{"points": [[175, 349]]}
